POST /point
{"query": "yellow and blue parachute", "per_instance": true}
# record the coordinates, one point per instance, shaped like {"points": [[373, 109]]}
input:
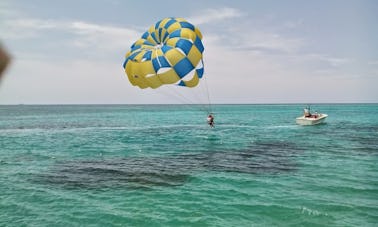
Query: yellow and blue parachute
{"points": [[170, 52]]}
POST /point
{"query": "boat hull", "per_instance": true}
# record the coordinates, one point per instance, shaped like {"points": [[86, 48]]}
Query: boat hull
{"points": [[311, 120]]}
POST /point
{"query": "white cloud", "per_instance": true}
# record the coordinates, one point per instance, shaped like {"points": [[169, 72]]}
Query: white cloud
{"points": [[102, 36], [334, 62], [81, 34], [264, 41], [18, 29], [293, 24], [6, 10], [34, 24], [212, 15], [242, 35], [373, 62]]}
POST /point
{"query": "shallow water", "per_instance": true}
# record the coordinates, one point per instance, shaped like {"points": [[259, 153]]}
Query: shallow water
{"points": [[161, 165]]}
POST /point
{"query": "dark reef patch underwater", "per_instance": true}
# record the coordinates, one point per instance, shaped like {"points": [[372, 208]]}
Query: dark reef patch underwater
{"points": [[170, 170]]}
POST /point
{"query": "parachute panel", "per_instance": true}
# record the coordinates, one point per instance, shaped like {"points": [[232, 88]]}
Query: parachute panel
{"points": [[169, 77], [194, 55], [192, 82], [183, 67], [174, 56]]}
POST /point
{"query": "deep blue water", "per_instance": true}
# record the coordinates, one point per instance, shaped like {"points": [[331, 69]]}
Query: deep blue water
{"points": [[161, 165]]}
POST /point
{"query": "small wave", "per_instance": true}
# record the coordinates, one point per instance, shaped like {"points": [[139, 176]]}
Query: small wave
{"points": [[283, 126], [312, 212]]}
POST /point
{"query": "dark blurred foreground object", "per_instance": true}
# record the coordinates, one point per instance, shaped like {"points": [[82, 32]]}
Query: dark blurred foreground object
{"points": [[4, 60]]}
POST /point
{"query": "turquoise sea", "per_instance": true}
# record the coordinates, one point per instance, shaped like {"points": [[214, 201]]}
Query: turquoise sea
{"points": [[162, 165]]}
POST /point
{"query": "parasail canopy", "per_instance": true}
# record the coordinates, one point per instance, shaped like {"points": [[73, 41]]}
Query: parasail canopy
{"points": [[170, 52]]}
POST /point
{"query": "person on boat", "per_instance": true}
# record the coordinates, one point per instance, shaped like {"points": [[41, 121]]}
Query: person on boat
{"points": [[210, 120], [307, 112]]}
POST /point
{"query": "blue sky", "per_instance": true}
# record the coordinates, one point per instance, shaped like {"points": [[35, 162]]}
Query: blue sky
{"points": [[71, 52]]}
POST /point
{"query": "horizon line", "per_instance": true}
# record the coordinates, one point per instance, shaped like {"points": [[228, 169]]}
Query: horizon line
{"points": [[182, 104]]}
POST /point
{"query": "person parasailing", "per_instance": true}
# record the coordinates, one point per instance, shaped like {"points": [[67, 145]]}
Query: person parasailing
{"points": [[210, 120]]}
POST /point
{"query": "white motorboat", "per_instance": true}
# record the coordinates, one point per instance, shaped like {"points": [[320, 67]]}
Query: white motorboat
{"points": [[311, 119], [314, 119]]}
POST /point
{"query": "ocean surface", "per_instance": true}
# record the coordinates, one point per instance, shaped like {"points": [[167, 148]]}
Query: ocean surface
{"points": [[162, 165]]}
